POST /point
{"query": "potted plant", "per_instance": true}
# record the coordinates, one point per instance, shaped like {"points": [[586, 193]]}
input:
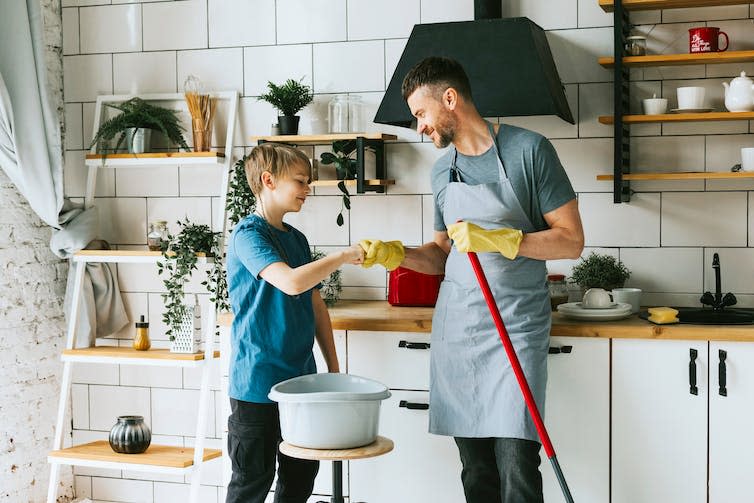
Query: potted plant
{"points": [[600, 271], [345, 169], [331, 286], [180, 254], [134, 125], [288, 98]]}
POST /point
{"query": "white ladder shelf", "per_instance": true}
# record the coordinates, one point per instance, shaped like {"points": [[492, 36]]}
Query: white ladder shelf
{"points": [[157, 458]]}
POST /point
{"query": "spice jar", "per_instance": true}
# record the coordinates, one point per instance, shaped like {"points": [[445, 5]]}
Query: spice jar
{"points": [[158, 232], [141, 339], [556, 284], [636, 45]]}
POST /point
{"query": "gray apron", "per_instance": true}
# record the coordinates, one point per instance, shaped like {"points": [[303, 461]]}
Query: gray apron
{"points": [[473, 390]]}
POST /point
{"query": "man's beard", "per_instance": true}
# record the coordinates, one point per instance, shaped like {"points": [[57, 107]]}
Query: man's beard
{"points": [[446, 130]]}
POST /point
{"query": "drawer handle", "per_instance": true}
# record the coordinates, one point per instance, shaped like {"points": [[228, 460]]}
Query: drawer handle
{"points": [[413, 405], [722, 372], [692, 372], [413, 345], [562, 349]]}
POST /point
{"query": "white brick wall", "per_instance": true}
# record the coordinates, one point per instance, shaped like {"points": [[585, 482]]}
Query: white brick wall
{"points": [[32, 334], [353, 46]]}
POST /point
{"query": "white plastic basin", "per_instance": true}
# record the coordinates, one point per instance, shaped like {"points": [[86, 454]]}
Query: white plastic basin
{"points": [[329, 411]]}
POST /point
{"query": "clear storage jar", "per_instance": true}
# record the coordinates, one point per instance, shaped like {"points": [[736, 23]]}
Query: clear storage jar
{"points": [[344, 114], [558, 289], [158, 232]]}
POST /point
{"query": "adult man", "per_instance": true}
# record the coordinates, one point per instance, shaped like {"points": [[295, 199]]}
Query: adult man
{"points": [[498, 189]]}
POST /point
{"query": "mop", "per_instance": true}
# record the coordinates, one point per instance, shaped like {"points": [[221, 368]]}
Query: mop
{"points": [[520, 377]]}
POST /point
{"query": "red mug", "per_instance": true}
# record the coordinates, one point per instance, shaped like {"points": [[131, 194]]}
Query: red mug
{"points": [[705, 39]]}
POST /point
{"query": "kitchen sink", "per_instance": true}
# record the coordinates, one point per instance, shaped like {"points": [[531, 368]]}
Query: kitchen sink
{"points": [[710, 317]]}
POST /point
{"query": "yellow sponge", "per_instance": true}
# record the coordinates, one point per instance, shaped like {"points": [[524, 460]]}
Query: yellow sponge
{"points": [[663, 315]]}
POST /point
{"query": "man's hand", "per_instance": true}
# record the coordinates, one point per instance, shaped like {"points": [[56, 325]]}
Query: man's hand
{"points": [[469, 237], [389, 254]]}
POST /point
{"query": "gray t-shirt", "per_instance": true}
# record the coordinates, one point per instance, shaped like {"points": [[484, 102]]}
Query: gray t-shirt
{"points": [[537, 177]]}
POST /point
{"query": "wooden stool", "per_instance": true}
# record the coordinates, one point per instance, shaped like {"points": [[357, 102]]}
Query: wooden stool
{"points": [[376, 448]]}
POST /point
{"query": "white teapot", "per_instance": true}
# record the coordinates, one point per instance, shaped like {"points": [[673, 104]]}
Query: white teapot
{"points": [[739, 94]]}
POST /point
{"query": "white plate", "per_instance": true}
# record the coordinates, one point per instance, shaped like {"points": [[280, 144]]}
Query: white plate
{"points": [[690, 110], [580, 305], [572, 310]]}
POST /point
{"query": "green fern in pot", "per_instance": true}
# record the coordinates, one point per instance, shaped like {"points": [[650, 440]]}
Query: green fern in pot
{"points": [[600, 271]]}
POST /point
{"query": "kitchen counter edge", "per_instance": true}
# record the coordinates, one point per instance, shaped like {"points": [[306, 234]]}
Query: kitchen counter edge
{"points": [[379, 316]]}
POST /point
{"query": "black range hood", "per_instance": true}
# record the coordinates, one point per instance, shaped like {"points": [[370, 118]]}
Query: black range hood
{"points": [[508, 62]]}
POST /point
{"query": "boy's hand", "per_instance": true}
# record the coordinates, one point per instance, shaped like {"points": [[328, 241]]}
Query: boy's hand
{"points": [[469, 237], [389, 254], [354, 254]]}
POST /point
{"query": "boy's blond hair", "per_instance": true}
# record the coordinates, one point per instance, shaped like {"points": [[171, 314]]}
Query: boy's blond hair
{"points": [[276, 158]]}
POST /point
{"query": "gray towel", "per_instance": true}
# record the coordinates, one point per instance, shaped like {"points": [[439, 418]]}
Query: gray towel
{"points": [[101, 309]]}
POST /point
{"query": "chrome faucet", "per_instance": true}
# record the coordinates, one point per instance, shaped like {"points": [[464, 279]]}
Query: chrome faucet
{"points": [[717, 301]]}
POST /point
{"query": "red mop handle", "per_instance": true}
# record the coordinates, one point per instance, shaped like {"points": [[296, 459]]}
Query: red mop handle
{"points": [[511, 352]]}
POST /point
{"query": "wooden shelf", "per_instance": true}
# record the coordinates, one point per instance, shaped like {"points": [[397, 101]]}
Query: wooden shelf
{"points": [[127, 256], [702, 58], [129, 356], [155, 158], [320, 139], [683, 175], [350, 183], [99, 454], [695, 117], [607, 5]]}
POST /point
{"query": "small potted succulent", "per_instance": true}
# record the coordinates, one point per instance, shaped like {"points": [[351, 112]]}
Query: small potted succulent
{"points": [[134, 126], [288, 98], [600, 271]]}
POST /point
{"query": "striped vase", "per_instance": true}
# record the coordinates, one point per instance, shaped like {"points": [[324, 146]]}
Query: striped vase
{"points": [[130, 435]]}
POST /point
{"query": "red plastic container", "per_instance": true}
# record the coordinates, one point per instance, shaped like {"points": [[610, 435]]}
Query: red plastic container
{"points": [[411, 288]]}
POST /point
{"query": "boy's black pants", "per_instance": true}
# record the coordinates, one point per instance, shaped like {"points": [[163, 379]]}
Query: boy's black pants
{"points": [[253, 438]]}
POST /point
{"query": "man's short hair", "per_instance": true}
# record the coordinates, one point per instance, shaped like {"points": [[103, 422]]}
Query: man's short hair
{"points": [[276, 158], [439, 74]]}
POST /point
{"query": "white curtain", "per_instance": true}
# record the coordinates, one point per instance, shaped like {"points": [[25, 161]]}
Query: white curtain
{"points": [[30, 138]]}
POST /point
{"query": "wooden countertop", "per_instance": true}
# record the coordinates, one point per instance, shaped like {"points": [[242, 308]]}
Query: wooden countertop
{"points": [[379, 316]]}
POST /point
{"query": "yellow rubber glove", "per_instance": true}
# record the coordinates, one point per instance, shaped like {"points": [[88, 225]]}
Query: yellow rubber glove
{"points": [[389, 254], [469, 237]]}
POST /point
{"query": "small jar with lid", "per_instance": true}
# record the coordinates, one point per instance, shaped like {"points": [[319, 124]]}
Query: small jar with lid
{"points": [[636, 45], [556, 284], [158, 232]]}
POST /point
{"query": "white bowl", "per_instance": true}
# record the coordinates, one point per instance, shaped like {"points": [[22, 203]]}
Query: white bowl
{"points": [[329, 411], [655, 106]]}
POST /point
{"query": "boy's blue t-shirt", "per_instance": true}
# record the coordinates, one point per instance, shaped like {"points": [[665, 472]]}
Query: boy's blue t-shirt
{"points": [[272, 332]]}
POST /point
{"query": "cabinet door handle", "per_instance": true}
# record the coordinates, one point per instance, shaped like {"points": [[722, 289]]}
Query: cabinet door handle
{"points": [[413, 345], [561, 349], [722, 373], [692, 372], [413, 405]]}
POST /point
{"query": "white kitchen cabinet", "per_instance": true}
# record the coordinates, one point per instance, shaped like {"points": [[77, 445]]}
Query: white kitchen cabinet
{"points": [[731, 436], [659, 428], [577, 417], [398, 360], [423, 468]]}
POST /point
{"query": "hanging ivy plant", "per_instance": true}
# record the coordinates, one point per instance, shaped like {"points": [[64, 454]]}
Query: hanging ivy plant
{"points": [[241, 201], [331, 286], [345, 169], [180, 259]]}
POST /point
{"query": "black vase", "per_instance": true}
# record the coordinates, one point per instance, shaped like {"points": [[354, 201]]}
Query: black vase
{"points": [[130, 435], [288, 124]]}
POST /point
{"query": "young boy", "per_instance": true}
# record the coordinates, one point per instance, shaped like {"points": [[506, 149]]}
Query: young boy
{"points": [[278, 313]]}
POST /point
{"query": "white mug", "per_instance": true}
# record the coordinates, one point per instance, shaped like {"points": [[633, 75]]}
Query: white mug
{"points": [[596, 298], [630, 295], [655, 106], [747, 159], [690, 97]]}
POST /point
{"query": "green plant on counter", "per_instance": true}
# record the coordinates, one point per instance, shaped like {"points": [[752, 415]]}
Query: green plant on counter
{"points": [[137, 113], [602, 271], [241, 201], [331, 286], [180, 259], [288, 98]]}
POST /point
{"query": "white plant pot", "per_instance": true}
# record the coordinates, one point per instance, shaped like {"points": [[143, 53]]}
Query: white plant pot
{"points": [[138, 140]]}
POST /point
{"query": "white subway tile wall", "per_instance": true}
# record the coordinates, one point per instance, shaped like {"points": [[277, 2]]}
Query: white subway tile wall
{"points": [[666, 235]]}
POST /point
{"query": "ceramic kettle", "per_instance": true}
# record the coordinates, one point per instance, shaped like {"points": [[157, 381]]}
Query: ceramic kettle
{"points": [[739, 94]]}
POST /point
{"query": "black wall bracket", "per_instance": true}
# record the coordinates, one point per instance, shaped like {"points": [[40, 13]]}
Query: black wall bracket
{"points": [[621, 131]]}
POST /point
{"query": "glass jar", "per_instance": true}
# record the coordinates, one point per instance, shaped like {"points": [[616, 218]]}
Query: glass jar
{"points": [[636, 45], [344, 114], [558, 288], [158, 232]]}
